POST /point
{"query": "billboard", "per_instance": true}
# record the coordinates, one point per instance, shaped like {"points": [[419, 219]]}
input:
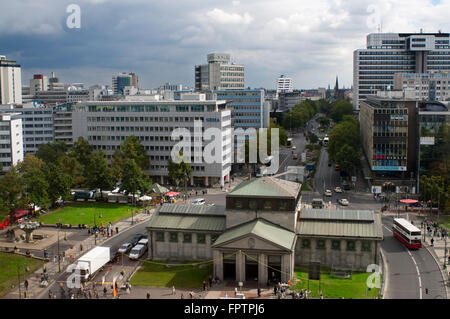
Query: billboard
{"points": [[389, 168], [427, 140]]}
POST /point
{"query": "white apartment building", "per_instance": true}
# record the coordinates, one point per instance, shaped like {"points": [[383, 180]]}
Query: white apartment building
{"points": [[10, 82], [426, 86], [11, 145], [389, 53], [284, 84], [219, 74], [38, 83], [107, 124], [37, 124]]}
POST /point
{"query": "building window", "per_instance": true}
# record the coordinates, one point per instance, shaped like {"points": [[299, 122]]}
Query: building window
{"points": [[173, 237], [320, 244], [201, 239], [306, 243], [336, 244], [268, 204], [187, 238], [237, 203], [159, 236], [366, 246], [282, 205], [351, 245], [252, 204], [214, 238]]}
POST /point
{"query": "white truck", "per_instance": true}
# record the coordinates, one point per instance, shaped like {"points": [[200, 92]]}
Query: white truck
{"points": [[91, 262]]}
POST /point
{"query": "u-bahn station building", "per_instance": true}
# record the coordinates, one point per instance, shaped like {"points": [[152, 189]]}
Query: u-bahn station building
{"points": [[264, 232]]}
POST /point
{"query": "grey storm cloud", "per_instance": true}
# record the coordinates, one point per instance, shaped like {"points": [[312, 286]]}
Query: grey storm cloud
{"points": [[312, 41]]}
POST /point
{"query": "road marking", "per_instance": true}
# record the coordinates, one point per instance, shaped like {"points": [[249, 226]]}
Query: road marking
{"points": [[417, 268]]}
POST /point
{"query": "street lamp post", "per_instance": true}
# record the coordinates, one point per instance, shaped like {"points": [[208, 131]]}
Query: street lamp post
{"points": [[59, 255], [18, 280], [445, 250]]}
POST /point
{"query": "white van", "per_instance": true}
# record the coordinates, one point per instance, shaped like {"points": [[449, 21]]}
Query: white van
{"points": [[138, 251], [143, 241]]}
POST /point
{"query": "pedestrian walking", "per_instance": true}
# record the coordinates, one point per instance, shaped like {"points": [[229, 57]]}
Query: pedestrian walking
{"points": [[26, 284], [49, 294], [173, 290], [148, 295], [204, 285], [181, 297], [235, 291], [210, 281], [259, 292], [105, 291], [432, 241], [81, 247], [117, 230]]}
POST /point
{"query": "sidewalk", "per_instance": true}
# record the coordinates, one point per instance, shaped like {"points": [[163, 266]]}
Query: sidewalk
{"points": [[35, 290], [437, 251]]}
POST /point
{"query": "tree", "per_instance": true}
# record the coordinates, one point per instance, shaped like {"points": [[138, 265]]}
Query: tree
{"points": [[129, 149], [179, 172], [348, 158], [34, 179], [71, 167], [97, 172], [324, 106], [436, 189], [12, 190], [51, 152], [340, 108], [82, 151], [59, 183], [134, 179], [344, 133]]}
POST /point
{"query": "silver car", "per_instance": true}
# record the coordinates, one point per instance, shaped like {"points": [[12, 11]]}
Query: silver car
{"points": [[125, 248]]}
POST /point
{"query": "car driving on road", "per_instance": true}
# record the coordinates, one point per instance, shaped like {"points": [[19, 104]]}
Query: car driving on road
{"points": [[328, 193], [343, 202], [199, 201], [136, 238], [338, 189]]}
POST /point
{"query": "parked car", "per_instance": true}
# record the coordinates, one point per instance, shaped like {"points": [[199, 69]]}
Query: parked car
{"points": [[138, 251], [338, 189], [137, 238], [328, 193], [125, 248], [345, 185], [343, 202], [199, 201], [294, 147]]}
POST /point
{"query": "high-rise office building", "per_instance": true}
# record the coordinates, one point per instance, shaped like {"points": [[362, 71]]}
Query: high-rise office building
{"points": [[390, 53], [39, 82], [425, 86], [11, 144], [284, 84], [219, 74], [123, 80], [10, 82]]}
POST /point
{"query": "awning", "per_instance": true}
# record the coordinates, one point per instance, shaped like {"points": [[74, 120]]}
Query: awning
{"points": [[145, 198], [409, 201], [172, 194]]}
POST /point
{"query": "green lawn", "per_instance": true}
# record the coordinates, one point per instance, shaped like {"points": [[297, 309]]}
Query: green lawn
{"points": [[9, 264], [83, 213], [153, 275], [354, 288], [445, 221]]}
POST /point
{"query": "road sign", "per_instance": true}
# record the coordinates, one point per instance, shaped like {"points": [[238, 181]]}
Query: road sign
{"points": [[353, 178]]}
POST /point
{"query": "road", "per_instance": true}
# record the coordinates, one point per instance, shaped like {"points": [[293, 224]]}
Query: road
{"points": [[409, 272], [114, 243]]}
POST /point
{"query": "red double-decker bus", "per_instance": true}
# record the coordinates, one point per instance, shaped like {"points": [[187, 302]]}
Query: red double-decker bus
{"points": [[407, 233]]}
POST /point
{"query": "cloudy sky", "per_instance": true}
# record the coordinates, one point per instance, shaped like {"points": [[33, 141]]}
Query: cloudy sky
{"points": [[161, 41]]}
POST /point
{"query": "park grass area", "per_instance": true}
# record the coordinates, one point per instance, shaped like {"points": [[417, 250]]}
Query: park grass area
{"points": [[184, 276], [9, 265], [445, 222], [83, 213], [332, 287]]}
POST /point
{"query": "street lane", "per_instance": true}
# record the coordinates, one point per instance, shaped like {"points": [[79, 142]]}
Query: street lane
{"points": [[410, 272]]}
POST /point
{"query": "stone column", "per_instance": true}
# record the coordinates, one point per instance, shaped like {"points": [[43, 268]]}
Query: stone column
{"points": [[192, 180], [222, 182], [240, 267], [180, 250], [286, 268], [162, 180], [262, 269], [218, 264], [206, 181]]}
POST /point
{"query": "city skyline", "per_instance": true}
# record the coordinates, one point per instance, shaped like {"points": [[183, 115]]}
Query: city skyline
{"points": [[309, 42]]}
